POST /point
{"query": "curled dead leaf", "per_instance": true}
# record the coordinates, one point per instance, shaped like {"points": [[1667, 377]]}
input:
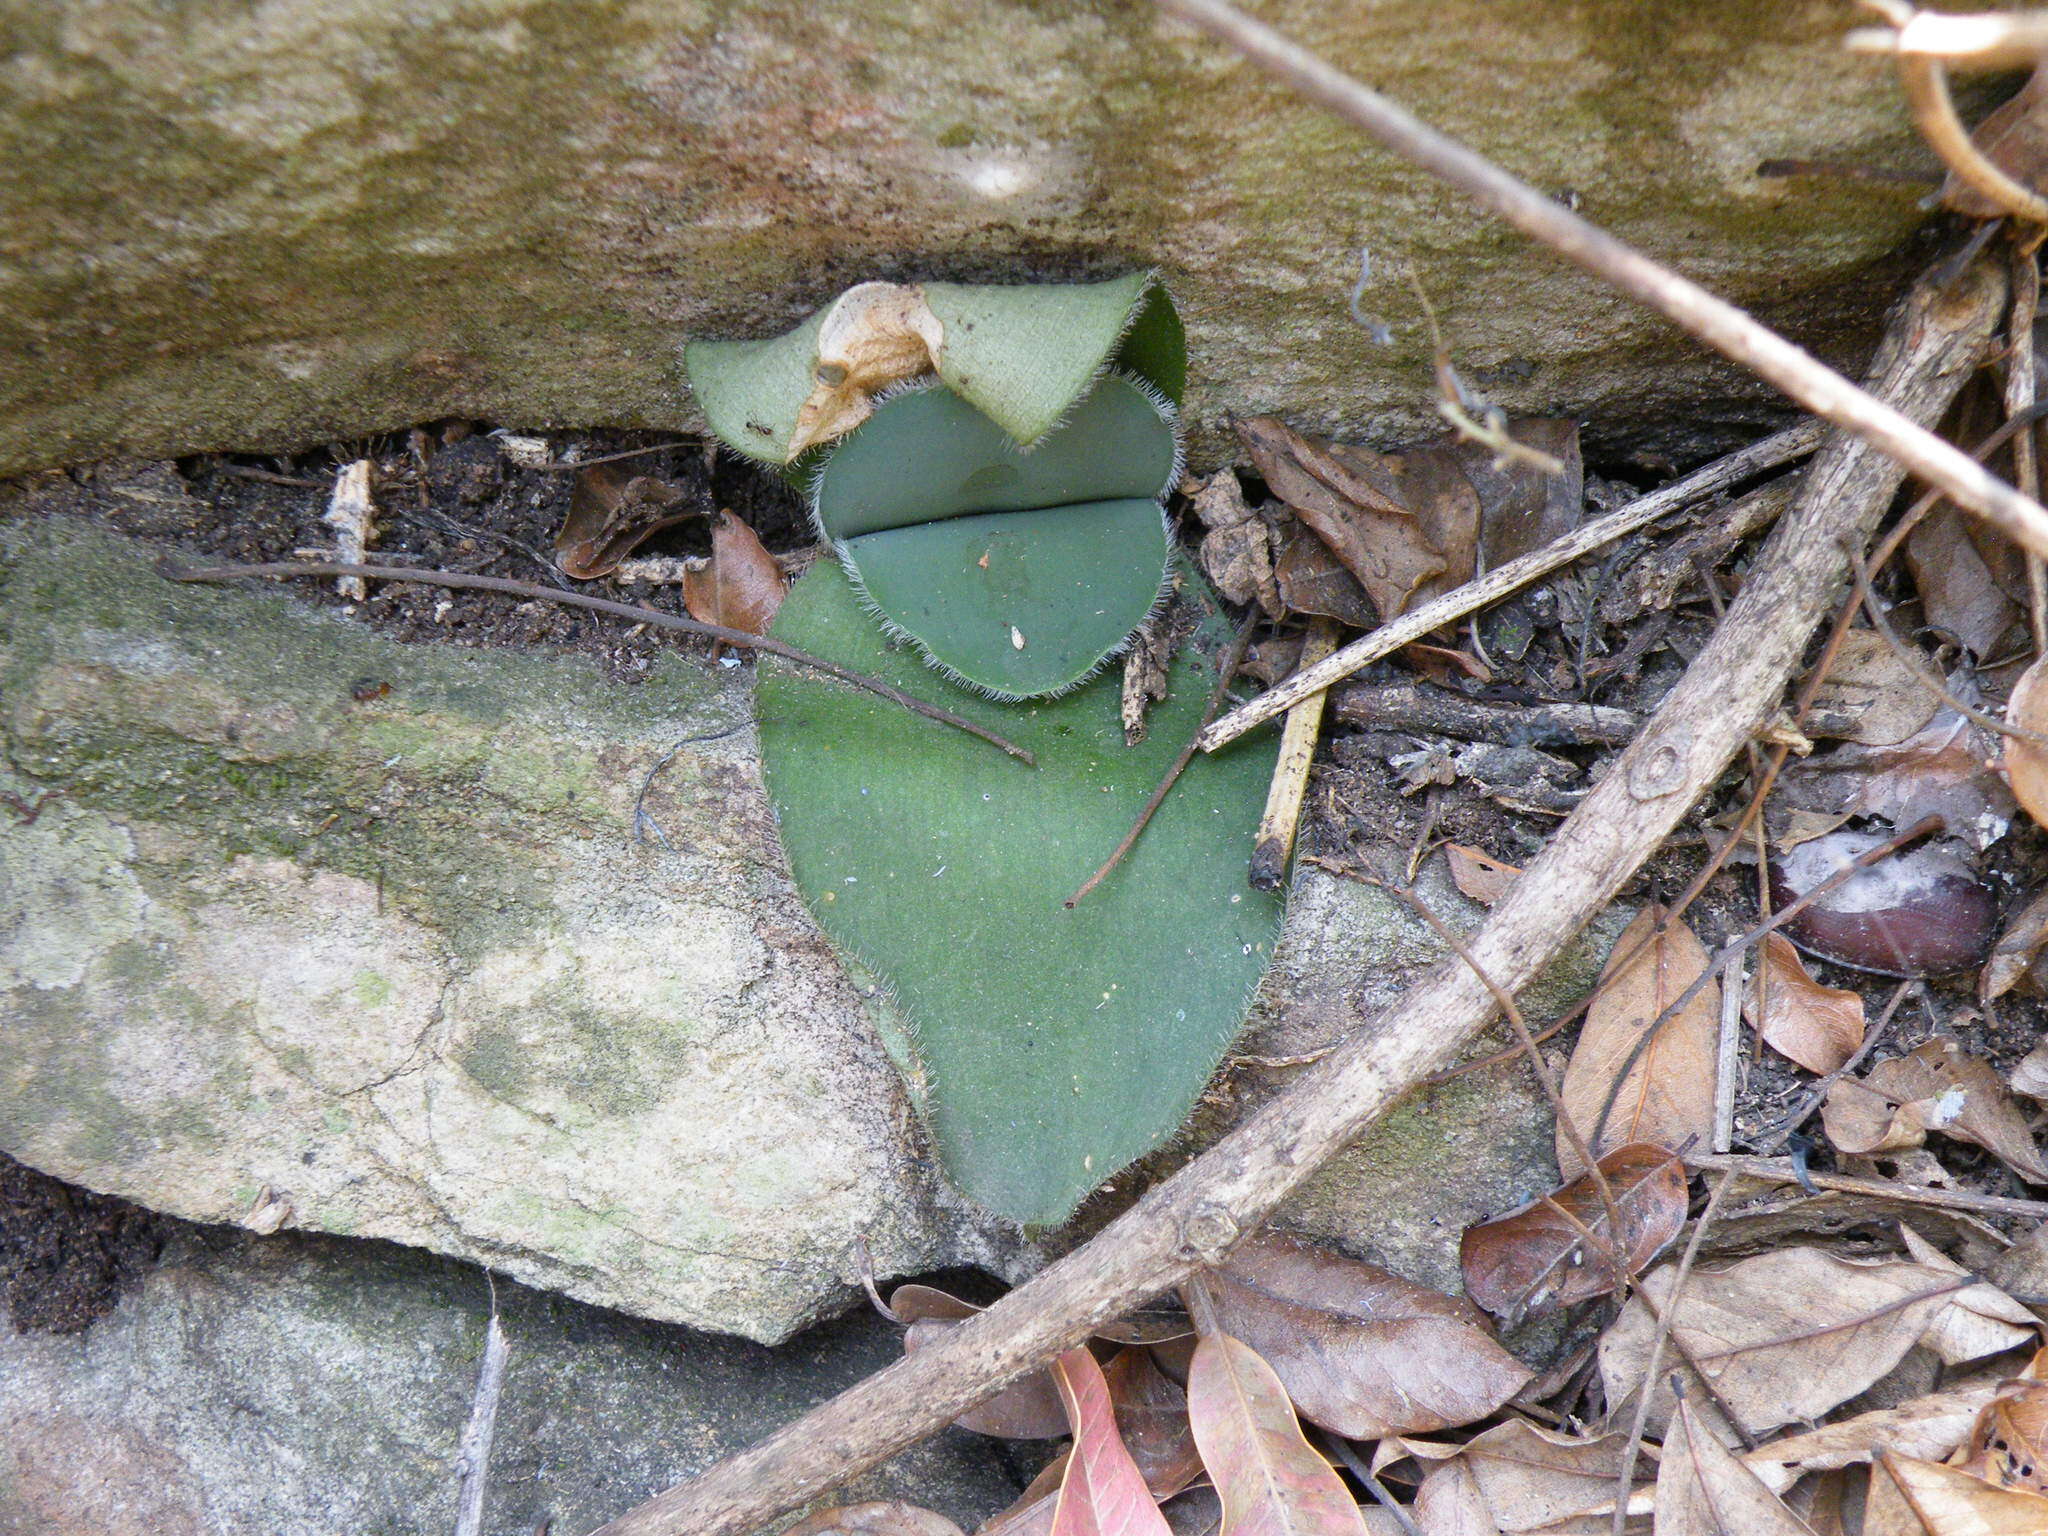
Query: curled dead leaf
{"points": [[1818, 1027], [1942, 1501], [1962, 1096], [1540, 1257], [613, 510], [1029, 1409], [743, 587], [874, 335]]}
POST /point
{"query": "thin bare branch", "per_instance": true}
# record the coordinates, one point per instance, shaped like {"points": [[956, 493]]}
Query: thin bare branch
{"points": [[1713, 320], [1996, 41], [1934, 114]]}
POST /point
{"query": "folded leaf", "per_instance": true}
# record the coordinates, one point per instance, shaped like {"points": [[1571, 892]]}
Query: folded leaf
{"points": [[1103, 1493]]}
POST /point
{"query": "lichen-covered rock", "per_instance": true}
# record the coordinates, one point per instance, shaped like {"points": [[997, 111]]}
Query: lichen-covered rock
{"points": [[396, 966], [240, 227], [301, 1386]]}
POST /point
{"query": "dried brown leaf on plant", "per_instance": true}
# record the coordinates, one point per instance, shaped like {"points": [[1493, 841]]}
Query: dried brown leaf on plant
{"points": [[1363, 1352], [1272, 1481], [1873, 692], [1785, 1336], [1921, 1498], [880, 1517], [1479, 874], [1152, 1417], [1931, 1427], [1103, 1493], [1540, 1257], [613, 509], [742, 587], [2026, 763], [1704, 1490], [874, 335], [1029, 1409], [1818, 1027], [1962, 1096], [1665, 1091]]}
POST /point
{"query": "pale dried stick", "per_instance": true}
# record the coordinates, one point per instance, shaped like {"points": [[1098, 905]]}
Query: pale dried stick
{"points": [[1713, 320], [1729, 1056], [1993, 41], [1781, 448], [1290, 773], [2019, 400], [1777, 1170]]}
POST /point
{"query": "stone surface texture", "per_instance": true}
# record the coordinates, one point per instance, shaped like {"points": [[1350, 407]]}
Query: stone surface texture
{"points": [[263, 223], [395, 966], [302, 1386]]}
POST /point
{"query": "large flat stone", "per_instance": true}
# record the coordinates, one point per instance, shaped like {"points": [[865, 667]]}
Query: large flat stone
{"points": [[229, 226]]}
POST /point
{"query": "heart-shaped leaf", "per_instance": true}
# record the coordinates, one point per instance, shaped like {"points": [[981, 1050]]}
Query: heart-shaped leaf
{"points": [[1056, 1045]]}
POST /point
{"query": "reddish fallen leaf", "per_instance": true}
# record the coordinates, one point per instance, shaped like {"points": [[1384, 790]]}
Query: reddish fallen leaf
{"points": [[612, 511], [1479, 875], [1962, 1096], [1272, 1482], [1103, 1493], [1946, 1502], [1363, 1352], [2008, 1443], [882, 1517], [2026, 764], [1538, 1258], [1620, 1088], [1025, 1410], [1703, 1490], [1152, 1417], [743, 586], [1818, 1027]]}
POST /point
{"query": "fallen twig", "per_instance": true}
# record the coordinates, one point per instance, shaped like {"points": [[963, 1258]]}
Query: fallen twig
{"points": [[473, 1456], [1779, 1170], [1195, 1217], [1290, 772], [1713, 320], [1225, 671], [170, 570], [1782, 448], [1991, 41]]}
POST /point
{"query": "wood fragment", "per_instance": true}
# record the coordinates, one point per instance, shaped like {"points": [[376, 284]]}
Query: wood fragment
{"points": [[1196, 1216], [351, 513], [1780, 1170], [473, 1455], [1439, 712], [1290, 774], [1782, 448]]}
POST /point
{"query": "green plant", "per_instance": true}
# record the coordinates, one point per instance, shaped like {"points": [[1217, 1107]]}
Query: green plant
{"points": [[989, 465]]}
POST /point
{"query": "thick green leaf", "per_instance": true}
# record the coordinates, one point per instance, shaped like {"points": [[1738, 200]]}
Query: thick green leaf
{"points": [[1058, 1045], [1022, 354], [752, 390], [1018, 604], [929, 455], [1063, 560]]}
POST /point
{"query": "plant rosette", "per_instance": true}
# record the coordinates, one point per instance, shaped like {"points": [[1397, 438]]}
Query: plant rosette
{"points": [[990, 466]]}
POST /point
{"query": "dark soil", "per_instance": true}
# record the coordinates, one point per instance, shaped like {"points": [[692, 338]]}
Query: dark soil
{"points": [[66, 1254]]}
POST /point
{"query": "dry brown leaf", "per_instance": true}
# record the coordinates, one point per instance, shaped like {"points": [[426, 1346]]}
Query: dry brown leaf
{"points": [[743, 586], [1449, 1503], [1929, 1427], [1951, 1503], [1479, 875], [1144, 681], [1029, 1409], [1946, 769], [1521, 507], [2026, 765], [1362, 1351], [1103, 1493], [1666, 1092], [1860, 1121], [2008, 1442], [1958, 591], [1311, 580], [1152, 1418], [1786, 1335], [2030, 1073], [1818, 1027], [1539, 1257], [882, 1517], [1961, 1095], [1980, 1319], [1534, 1478], [1703, 1490], [1272, 1482], [1353, 501], [1878, 695], [1238, 558], [2012, 959], [612, 511], [874, 335]]}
